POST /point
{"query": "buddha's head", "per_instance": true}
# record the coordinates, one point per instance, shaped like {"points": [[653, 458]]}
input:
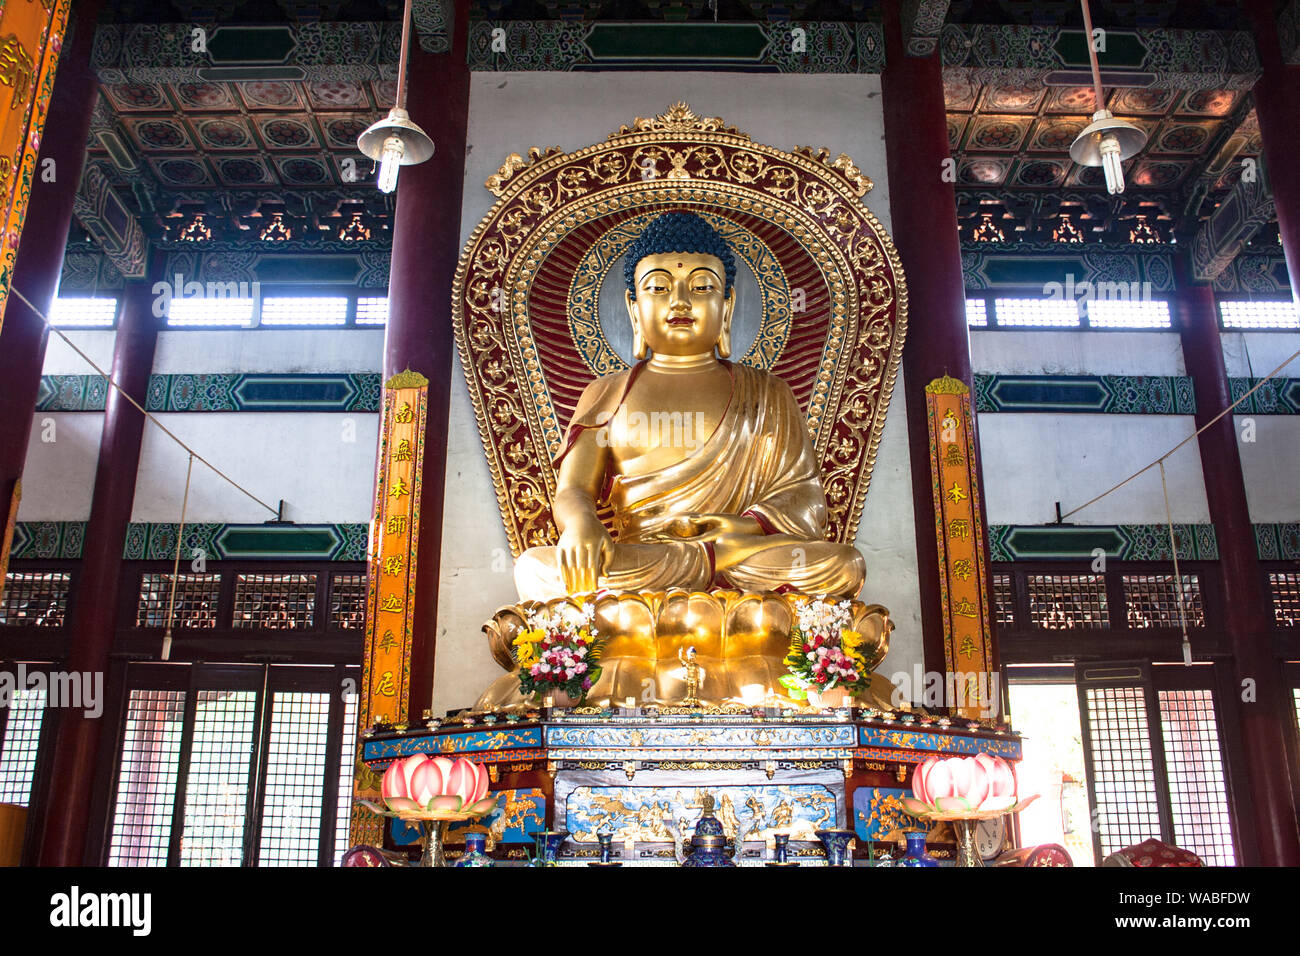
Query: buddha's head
{"points": [[680, 288]]}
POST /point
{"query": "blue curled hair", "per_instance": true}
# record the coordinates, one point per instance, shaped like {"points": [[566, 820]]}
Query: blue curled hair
{"points": [[682, 232]]}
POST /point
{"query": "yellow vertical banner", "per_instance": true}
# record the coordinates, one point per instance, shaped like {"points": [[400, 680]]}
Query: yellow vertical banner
{"points": [[31, 36], [959, 528], [390, 598]]}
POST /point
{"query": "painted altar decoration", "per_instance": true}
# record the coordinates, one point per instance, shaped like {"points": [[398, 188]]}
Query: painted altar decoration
{"points": [[959, 529], [31, 36], [394, 533]]}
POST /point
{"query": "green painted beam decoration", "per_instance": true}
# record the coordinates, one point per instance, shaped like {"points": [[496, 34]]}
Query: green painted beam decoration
{"points": [[1278, 396], [1105, 394], [72, 393], [1256, 273], [1278, 542], [774, 47], [1119, 542], [233, 392], [1125, 270], [243, 542], [48, 540]]}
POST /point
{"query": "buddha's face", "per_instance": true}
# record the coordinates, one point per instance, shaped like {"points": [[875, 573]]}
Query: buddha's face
{"points": [[680, 307]]}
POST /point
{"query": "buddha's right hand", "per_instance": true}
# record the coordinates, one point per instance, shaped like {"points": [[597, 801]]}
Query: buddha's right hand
{"points": [[584, 549]]}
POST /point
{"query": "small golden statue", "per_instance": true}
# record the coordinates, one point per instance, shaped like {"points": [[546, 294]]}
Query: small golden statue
{"points": [[691, 668]]}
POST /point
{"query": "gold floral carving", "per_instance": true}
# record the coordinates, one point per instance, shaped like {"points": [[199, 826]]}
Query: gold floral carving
{"points": [[673, 161], [947, 385]]}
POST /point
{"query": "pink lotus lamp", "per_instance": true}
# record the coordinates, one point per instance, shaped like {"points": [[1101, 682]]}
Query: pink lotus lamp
{"points": [[433, 791], [964, 790]]}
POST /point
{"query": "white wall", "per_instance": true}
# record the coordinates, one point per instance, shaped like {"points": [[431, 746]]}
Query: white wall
{"points": [[1041, 352], [307, 459], [509, 112], [1270, 464], [264, 350], [59, 474], [60, 359], [1033, 460]]}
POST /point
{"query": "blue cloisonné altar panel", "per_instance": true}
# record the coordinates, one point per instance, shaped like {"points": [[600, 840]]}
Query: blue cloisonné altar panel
{"points": [[750, 737], [518, 815], [639, 813], [884, 740], [879, 811], [470, 742]]}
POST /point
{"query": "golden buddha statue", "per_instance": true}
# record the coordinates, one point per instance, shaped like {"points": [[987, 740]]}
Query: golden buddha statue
{"points": [[708, 466], [711, 475]]}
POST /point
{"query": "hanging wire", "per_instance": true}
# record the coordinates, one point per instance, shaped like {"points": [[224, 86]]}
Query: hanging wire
{"points": [[1258, 385], [166, 431], [1178, 578], [176, 565]]}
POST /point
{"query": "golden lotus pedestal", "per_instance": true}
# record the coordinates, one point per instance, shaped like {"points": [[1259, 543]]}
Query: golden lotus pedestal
{"points": [[740, 641]]}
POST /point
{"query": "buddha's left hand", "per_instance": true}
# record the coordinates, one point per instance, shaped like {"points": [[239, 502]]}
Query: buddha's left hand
{"points": [[710, 527]]}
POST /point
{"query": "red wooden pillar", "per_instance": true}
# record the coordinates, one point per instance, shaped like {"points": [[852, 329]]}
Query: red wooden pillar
{"points": [[1277, 93], [44, 241], [923, 213], [426, 247], [94, 614], [1263, 739]]}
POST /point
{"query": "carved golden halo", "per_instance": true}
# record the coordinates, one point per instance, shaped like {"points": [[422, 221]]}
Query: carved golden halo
{"points": [[696, 162]]}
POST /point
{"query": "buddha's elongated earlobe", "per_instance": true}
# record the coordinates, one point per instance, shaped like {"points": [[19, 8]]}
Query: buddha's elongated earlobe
{"points": [[724, 337], [640, 350]]}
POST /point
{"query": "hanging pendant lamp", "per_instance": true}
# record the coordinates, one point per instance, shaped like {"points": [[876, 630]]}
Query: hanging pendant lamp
{"points": [[395, 141], [1106, 141]]}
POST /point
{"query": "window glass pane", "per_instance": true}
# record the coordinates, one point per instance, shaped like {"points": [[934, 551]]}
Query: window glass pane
{"points": [[275, 601], [1004, 602], [83, 311], [1152, 600], [1047, 717], [146, 778], [216, 790], [295, 780], [1285, 586], [304, 310], [976, 314], [372, 310], [195, 602], [217, 311], [21, 741], [1123, 778], [1063, 601], [1037, 311], [347, 767], [1197, 793], [35, 599], [348, 602], [1119, 314], [1241, 314]]}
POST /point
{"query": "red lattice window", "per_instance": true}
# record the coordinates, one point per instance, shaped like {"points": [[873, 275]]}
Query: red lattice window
{"points": [[1123, 778], [216, 789], [146, 778], [22, 738], [347, 766], [275, 601], [293, 797], [1285, 587], [197, 596], [1004, 600], [1067, 601], [348, 602], [1194, 763], [35, 599], [1152, 600]]}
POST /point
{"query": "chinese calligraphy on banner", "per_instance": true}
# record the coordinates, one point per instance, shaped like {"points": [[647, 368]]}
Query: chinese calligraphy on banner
{"points": [[31, 36], [394, 533], [963, 577]]}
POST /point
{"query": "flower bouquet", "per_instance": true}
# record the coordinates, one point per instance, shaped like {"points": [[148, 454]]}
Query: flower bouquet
{"points": [[557, 654], [434, 791], [825, 654], [964, 790]]}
